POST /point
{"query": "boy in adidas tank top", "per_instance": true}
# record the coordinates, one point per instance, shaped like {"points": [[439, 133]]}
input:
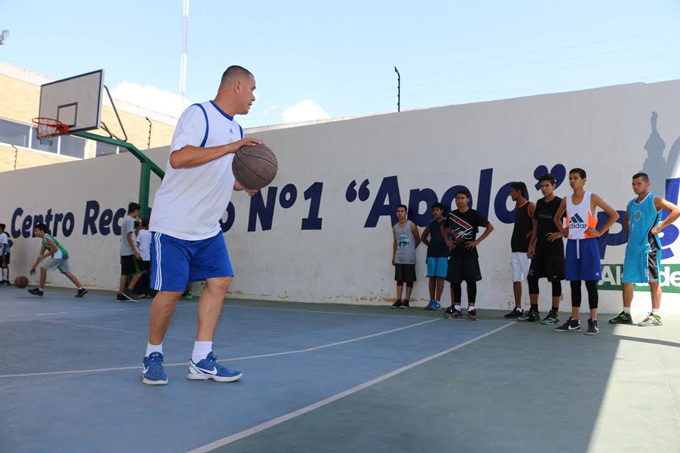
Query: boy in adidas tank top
{"points": [[583, 250], [643, 252], [187, 243], [55, 257]]}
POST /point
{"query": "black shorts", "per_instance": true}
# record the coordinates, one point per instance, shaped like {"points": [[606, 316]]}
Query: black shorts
{"points": [[144, 266], [129, 266], [548, 263], [4, 262], [463, 267], [405, 273]]}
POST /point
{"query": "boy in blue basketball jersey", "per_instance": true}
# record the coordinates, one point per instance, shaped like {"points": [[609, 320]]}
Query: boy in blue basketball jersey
{"points": [[643, 252]]}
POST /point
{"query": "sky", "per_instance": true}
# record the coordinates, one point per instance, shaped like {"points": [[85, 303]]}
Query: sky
{"points": [[315, 60]]}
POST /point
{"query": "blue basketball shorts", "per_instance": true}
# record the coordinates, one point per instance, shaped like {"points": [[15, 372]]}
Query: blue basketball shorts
{"points": [[583, 260], [437, 267], [641, 267], [176, 262]]}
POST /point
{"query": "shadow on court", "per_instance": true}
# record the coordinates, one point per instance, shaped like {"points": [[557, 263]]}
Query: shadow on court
{"points": [[329, 378]]}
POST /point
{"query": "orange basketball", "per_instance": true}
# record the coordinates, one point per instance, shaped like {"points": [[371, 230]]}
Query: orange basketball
{"points": [[21, 282], [255, 166]]}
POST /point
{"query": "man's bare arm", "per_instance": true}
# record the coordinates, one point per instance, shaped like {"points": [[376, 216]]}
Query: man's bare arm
{"points": [[423, 238], [613, 216], [558, 218], [672, 210], [414, 230], [193, 156]]}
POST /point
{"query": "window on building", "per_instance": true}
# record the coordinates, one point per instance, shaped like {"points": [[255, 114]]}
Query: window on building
{"points": [[72, 146], [35, 143], [14, 133], [103, 149]]}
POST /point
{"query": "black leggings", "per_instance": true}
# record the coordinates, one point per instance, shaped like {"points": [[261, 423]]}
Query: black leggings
{"points": [[591, 286], [556, 287], [457, 289]]}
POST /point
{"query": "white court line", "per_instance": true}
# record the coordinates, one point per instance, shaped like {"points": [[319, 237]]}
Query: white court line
{"points": [[191, 304], [260, 356], [311, 407]]}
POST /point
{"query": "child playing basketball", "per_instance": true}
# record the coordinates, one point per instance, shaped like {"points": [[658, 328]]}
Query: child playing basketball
{"points": [[57, 258], [583, 250]]}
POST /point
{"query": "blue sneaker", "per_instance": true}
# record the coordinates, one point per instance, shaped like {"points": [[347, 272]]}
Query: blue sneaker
{"points": [[430, 305], [153, 373], [208, 368], [436, 305]]}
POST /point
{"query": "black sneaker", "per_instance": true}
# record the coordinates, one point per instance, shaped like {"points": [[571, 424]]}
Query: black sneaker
{"points": [[450, 310], [623, 318], [472, 314], [530, 316], [552, 318], [457, 313], [404, 304], [515, 313], [129, 295], [570, 326], [36, 291], [397, 304], [592, 327], [81, 292], [121, 298]]}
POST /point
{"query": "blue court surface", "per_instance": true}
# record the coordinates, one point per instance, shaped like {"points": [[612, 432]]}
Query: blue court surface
{"points": [[327, 378]]}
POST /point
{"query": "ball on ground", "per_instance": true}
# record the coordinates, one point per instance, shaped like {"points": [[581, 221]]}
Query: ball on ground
{"points": [[21, 282], [255, 167]]}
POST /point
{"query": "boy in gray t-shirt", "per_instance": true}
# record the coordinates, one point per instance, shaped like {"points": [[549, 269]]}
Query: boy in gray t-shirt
{"points": [[129, 255]]}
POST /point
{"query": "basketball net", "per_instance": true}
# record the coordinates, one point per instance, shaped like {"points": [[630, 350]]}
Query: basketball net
{"points": [[48, 128]]}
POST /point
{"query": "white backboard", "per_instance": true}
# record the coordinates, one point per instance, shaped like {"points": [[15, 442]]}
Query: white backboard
{"points": [[76, 101]]}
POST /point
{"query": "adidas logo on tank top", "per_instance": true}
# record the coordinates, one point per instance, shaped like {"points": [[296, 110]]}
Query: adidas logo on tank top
{"points": [[580, 217]]}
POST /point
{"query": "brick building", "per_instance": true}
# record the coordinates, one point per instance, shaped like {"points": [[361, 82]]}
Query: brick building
{"points": [[19, 147]]}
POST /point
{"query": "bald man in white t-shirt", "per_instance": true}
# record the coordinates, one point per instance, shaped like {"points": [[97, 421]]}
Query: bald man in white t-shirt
{"points": [[188, 244]]}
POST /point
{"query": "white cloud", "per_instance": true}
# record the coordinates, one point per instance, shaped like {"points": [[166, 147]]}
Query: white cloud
{"points": [[150, 97], [306, 110]]}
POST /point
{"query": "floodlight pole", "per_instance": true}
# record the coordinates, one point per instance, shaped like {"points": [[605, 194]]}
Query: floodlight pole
{"points": [[398, 89], [148, 166], [185, 52]]}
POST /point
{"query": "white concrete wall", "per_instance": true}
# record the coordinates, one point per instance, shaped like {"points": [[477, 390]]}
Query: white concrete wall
{"points": [[606, 131]]}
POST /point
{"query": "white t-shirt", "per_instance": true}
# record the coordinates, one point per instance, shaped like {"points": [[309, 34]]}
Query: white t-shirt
{"points": [[4, 237], [191, 201], [144, 244]]}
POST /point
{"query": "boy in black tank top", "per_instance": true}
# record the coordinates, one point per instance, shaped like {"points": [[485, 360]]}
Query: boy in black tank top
{"points": [[519, 244], [546, 249]]}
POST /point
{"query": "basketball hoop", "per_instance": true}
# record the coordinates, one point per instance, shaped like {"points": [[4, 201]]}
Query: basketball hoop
{"points": [[48, 128]]}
